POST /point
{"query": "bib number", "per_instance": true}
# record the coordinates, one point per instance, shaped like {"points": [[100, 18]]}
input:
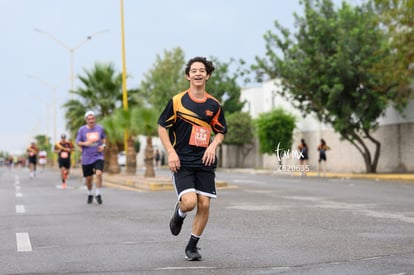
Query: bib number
{"points": [[64, 155], [200, 136]]}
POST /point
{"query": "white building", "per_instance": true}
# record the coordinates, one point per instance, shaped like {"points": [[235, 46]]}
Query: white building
{"points": [[396, 134]]}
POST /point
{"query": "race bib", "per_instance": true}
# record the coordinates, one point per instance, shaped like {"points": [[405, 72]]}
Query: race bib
{"points": [[93, 136], [200, 136], [64, 155]]}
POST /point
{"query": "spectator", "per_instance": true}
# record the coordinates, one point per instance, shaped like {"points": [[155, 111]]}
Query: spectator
{"points": [[322, 148]]}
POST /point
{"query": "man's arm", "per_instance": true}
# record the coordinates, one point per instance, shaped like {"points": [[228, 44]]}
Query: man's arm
{"points": [[103, 145], [173, 159], [209, 156]]}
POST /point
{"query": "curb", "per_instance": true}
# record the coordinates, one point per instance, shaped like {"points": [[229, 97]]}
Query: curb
{"points": [[140, 183], [148, 184], [396, 177], [408, 177]]}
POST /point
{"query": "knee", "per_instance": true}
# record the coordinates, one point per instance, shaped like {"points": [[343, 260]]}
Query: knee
{"points": [[203, 203], [188, 202]]}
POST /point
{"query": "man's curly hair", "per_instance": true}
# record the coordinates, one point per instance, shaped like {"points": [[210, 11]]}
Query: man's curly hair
{"points": [[208, 64]]}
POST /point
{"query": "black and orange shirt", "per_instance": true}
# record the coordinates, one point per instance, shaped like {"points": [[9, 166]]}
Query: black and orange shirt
{"points": [[32, 150], [63, 154], [190, 122]]}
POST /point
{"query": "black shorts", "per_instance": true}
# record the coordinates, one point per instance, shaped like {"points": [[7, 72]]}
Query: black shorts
{"points": [[89, 169], [64, 163], [200, 180], [322, 157], [32, 160]]}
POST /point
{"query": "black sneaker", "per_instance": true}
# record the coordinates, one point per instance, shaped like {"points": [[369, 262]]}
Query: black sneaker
{"points": [[90, 199], [98, 199], [176, 222], [191, 254]]}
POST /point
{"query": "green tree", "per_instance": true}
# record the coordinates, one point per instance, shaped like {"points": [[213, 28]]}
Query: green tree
{"points": [[223, 85], [241, 134], [101, 92], [146, 120], [329, 69], [43, 142], [398, 18], [115, 136], [130, 121], [165, 78], [275, 130]]}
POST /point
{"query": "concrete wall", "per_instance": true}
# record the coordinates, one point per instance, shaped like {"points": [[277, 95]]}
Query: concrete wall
{"points": [[395, 133], [397, 151]]}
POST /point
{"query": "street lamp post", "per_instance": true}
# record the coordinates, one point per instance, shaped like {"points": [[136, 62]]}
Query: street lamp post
{"points": [[124, 86], [71, 50], [53, 89]]}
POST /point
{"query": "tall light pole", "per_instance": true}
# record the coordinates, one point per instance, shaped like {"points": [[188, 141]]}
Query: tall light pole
{"points": [[124, 89], [53, 89], [71, 50]]}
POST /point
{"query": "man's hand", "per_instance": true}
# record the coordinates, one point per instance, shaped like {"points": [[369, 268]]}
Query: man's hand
{"points": [[209, 156], [173, 161]]}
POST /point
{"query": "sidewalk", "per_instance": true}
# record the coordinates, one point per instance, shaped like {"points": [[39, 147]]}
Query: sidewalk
{"points": [[409, 177], [379, 176], [163, 182]]}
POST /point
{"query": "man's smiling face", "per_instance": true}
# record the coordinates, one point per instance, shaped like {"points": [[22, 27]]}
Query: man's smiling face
{"points": [[198, 74]]}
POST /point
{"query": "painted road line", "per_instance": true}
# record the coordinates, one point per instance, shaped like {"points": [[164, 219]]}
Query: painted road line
{"points": [[23, 242], [20, 209], [19, 195]]}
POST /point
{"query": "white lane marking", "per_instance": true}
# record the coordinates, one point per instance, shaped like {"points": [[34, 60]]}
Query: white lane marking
{"points": [[23, 242], [20, 209], [19, 195], [185, 267], [18, 188], [247, 181]]}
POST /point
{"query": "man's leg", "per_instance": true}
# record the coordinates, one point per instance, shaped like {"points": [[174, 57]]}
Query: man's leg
{"points": [[62, 174], [88, 182], [98, 186], [199, 223], [201, 217], [31, 169]]}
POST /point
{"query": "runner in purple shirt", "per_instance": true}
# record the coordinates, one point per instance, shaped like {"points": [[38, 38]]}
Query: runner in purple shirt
{"points": [[91, 139]]}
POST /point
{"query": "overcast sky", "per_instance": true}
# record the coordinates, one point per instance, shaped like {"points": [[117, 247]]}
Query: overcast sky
{"points": [[32, 62]]}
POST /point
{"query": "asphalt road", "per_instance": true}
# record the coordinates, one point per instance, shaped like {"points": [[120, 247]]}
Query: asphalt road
{"points": [[262, 224]]}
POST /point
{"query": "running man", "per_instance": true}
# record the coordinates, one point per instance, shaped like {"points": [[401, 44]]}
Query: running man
{"points": [[64, 149], [32, 151], [185, 128], [91, 139]]}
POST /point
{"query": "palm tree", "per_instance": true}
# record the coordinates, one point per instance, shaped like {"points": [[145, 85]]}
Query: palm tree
{"points": [[101, 92], [118, 122], [114, 139], [133, 131], [146, 119]]}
